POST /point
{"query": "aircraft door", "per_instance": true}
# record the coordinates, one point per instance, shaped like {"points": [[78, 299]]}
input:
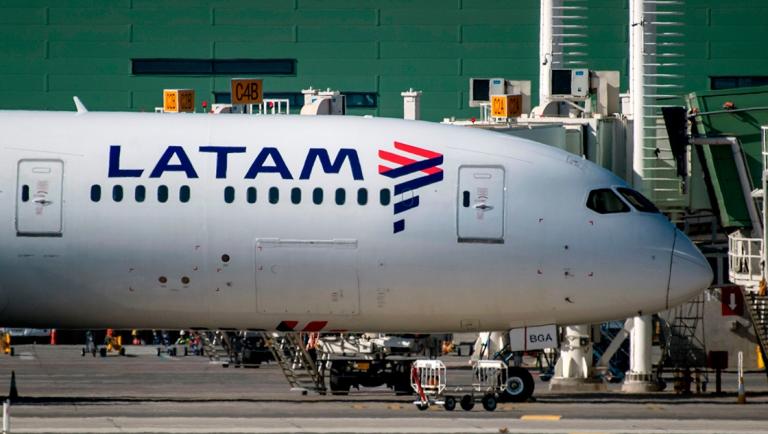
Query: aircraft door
{"points": [[481, 204], [39, 198]]}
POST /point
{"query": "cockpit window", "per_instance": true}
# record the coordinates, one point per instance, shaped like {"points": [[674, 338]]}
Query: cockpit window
{"points": [[605, 201], [638, 201]]}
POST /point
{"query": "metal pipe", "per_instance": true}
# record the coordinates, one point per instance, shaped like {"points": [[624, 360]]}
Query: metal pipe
{"points": [[545, 52], [745, 180], [637, 92]]}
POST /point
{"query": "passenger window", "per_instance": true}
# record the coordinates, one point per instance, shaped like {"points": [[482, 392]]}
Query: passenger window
{"points": [[140, 193], [25, 193], [465, 199], [184, 194], [162, 194], [117, 193], [385, 196], [95, 193], [362, 196], [317, 196], [605, 201], [637, 200], [274, 195], [229, 194], [296, 195], [341, 196], [250, 194]]}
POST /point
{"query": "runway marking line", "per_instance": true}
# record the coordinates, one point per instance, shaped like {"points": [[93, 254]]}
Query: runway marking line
{"points": [[540, 417]]}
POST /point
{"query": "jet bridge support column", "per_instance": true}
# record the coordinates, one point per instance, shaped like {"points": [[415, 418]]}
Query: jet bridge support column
{"points": [[640, 377], [573, 371]]}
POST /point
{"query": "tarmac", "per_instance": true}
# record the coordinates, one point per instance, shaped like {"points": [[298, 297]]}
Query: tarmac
{"points": [[62, 392]]}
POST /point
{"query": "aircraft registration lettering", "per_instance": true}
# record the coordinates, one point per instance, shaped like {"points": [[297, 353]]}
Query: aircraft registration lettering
{"points": [[268, 160]]}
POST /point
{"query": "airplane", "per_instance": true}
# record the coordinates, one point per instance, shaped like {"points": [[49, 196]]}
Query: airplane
{"points": [[327, 223]]}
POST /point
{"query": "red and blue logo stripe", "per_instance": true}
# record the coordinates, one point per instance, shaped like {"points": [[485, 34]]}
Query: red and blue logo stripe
{"points": [[418, 161]]}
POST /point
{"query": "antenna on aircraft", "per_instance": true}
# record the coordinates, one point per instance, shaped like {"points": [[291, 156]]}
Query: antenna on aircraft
{"points": [[79, 104]]}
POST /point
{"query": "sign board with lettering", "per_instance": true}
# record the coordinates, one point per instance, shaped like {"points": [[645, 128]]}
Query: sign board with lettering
{"points": [[506, 106], [247, 91], [533, 338], [178, 101]]}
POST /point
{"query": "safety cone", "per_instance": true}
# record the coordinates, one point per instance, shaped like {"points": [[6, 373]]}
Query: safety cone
{"points": [[53, 336], [13, 393]]}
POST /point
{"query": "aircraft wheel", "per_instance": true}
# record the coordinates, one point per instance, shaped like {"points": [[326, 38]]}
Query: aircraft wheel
{"points": [[489, 402], [122, 351], [422, 407], [450, 403], [103, 352], [467, 402], [519, 385]]}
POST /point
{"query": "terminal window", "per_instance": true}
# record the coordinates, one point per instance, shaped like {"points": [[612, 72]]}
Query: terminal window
{"points": [[213, 66]]}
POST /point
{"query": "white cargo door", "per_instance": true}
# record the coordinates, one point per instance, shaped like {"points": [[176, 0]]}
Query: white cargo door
{"points": [[481, 204], [39, 196], [309, 277]]}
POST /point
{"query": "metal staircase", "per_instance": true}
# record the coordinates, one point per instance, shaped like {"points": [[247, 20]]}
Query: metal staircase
{"points": [[757, 307], [299, 367], [685, 343], [217, 346]]}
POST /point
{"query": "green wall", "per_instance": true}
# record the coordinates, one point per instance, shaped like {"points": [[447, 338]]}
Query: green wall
{"points": [[51, 50]]}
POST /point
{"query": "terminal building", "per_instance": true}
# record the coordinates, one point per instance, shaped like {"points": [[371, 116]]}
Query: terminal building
{"points": [[702, 57]]}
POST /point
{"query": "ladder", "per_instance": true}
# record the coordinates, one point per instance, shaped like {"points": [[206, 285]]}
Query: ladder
{"points": [[757, 306], [685, 347], [217, 346], [298, 366]]}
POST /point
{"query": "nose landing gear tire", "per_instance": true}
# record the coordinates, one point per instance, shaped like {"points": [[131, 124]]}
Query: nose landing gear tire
{"points": [[519, 385]]}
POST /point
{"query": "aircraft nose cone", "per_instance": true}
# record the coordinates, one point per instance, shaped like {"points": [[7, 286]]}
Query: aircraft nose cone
{"points": [[690, 272]]}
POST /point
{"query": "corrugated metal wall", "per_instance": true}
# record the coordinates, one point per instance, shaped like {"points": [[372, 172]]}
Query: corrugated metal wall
{"points": [[51, 50]]}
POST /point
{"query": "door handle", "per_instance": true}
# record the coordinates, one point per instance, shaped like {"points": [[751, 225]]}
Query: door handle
{"points": [[483, 206]]}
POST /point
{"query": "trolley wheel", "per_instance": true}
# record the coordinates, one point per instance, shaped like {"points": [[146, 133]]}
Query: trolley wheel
{"points": [[122, 351], [489, 402], [467, 402], [422, 407], [519, 385], [103, 352], [450, 403]]}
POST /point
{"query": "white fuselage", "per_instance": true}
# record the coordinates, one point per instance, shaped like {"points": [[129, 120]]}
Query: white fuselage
{"points": [[501, 238]]}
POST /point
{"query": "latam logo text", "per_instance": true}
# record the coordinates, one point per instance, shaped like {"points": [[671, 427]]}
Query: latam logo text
{"points": [[426, 164], [268, 160]]}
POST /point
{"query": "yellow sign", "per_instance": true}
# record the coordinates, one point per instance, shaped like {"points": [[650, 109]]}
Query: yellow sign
{"points": [[178, 100], [247, 91], [506, 106]]}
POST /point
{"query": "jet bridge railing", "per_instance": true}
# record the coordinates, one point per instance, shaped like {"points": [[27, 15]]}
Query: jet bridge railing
{"points": [[745, 260]]}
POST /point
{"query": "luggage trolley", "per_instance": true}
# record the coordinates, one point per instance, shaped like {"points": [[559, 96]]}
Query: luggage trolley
{"points": [[489, 378], [428, 381]]}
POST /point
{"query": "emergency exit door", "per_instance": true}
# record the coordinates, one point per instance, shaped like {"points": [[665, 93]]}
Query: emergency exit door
{"points": [[481, 204], [39, 198]]}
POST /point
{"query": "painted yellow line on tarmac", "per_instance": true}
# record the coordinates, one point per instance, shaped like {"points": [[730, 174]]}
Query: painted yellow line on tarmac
{"points": [[540, 417], [359, 406], [395, 407]]}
